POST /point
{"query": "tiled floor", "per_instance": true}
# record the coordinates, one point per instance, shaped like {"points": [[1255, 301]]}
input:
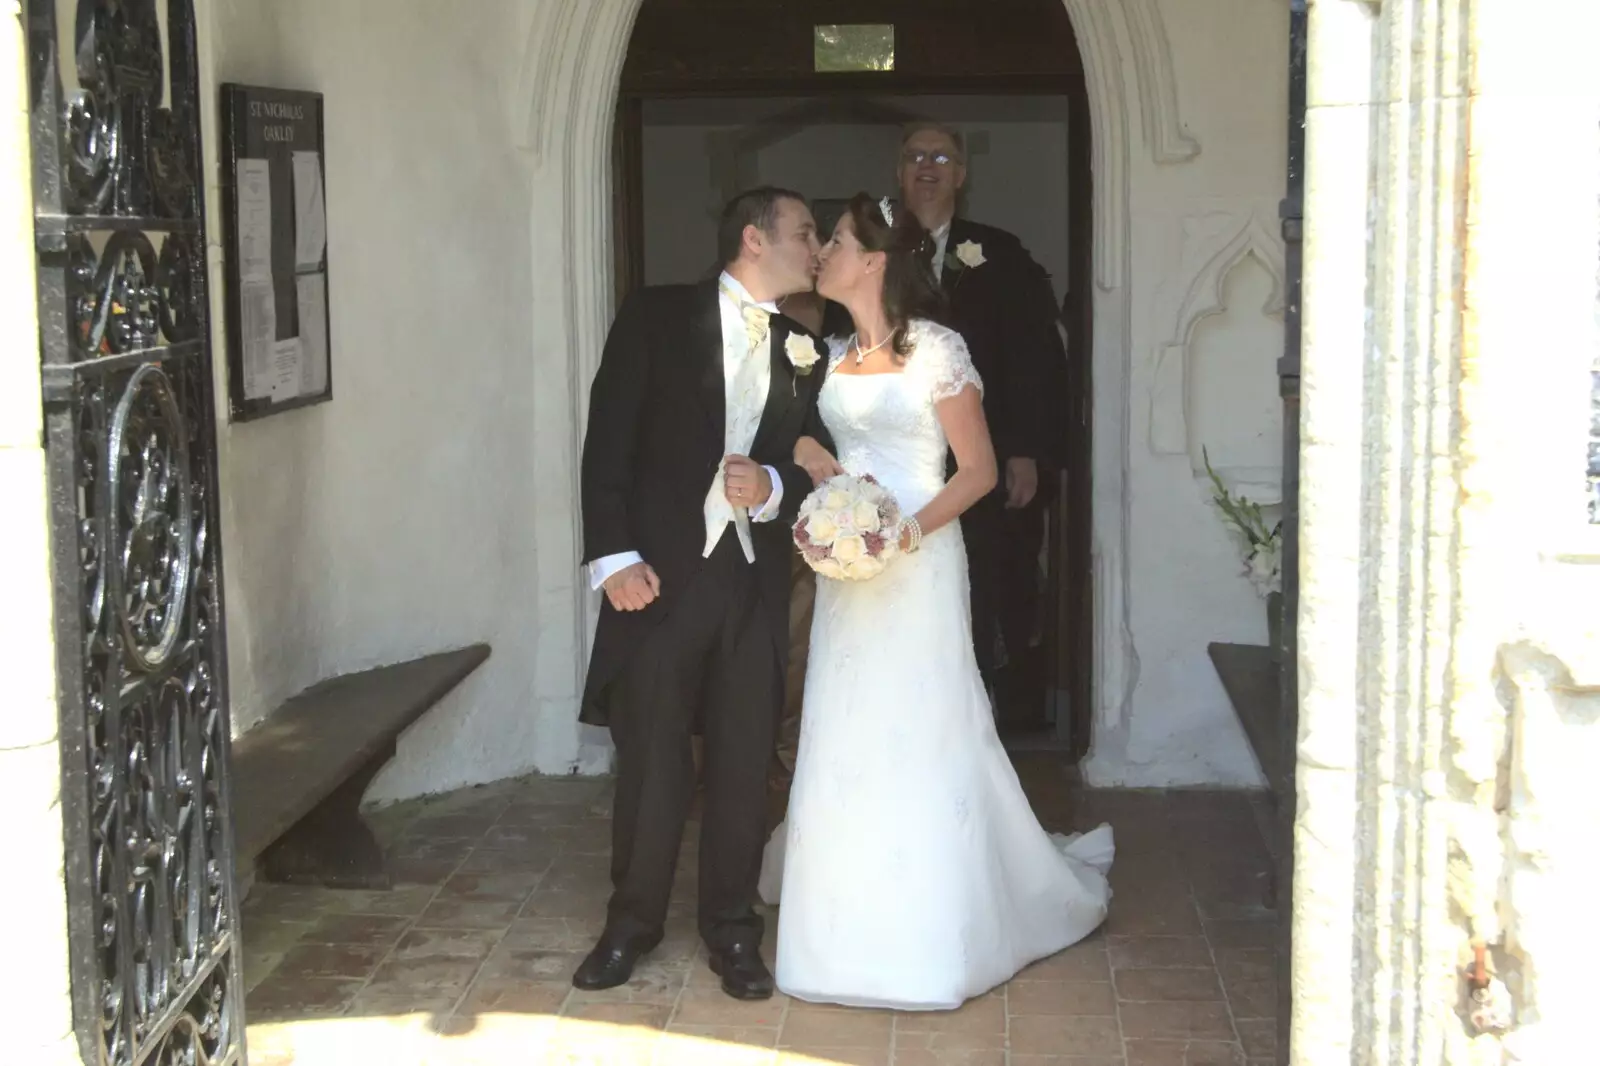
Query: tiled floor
{"points": [[467, 962]]}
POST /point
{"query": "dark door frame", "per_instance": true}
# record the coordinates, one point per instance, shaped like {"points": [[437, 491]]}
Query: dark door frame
{"points": [[1292, 213], [1069, 630]]}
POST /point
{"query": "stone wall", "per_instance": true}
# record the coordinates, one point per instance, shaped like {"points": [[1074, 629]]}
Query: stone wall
{"points": [[1450, 712], [401, 518]]}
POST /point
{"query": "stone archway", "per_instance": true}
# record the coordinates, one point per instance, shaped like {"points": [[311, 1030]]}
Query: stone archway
{"points": [[567, 93]]}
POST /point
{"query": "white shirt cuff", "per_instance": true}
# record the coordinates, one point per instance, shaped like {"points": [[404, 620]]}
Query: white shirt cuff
{"points": [[602, 569], [769, 510]]}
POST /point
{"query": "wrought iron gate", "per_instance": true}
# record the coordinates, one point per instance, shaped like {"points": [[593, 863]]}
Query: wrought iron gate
{"points": [[130, 438]]}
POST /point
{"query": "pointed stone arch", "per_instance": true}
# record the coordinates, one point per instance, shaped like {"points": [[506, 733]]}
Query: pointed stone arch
{"points": [[570, 74]]}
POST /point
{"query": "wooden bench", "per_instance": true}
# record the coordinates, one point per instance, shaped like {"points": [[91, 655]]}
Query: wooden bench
{"points": [[298, 778], [1249, 673]]}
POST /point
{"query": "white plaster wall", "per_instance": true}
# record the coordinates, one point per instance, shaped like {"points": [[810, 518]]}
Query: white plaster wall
{"points": [[434, 503], [398, 519], [1192, 222], [1017, 181]]}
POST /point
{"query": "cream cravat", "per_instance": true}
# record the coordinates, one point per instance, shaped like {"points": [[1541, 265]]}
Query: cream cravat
{"points": [[757, 322], [742, 418]]}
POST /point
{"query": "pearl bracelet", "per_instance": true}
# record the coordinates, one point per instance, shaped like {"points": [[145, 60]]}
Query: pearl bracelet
{"points": [[915, 527]]}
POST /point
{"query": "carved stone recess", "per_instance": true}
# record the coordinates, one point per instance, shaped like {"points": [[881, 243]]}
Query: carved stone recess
{"points": [[1213, 245]]}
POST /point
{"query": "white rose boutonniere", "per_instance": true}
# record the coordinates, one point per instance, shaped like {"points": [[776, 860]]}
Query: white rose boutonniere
{"points": [[802, 353], [970, 253]]}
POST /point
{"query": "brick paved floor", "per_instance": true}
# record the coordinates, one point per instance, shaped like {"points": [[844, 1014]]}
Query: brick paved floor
{"points": [[502, 890]]}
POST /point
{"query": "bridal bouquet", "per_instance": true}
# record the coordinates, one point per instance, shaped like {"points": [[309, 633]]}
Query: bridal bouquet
{"points": [[849, 528]]}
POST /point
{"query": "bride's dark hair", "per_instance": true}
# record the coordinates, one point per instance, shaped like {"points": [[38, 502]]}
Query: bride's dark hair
{"points": [[909, 289]]}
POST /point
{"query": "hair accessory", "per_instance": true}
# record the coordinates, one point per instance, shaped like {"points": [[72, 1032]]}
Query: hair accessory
{"points": [[888, 213]]}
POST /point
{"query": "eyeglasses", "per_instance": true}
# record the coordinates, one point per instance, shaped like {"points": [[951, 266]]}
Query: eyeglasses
{"points": [[917, 158]]}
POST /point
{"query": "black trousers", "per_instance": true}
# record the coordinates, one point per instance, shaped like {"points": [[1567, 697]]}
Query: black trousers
{"points": [[1003, 565], [712, 658]]}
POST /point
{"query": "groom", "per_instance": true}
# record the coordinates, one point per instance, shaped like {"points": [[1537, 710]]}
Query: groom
{"points": [[689, 492]]}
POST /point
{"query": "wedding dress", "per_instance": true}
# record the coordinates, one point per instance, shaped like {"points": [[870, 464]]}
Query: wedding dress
{"points": [[913, 872]]}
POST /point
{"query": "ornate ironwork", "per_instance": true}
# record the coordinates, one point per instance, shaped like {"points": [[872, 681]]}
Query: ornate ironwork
{"points": [[131, 440]]}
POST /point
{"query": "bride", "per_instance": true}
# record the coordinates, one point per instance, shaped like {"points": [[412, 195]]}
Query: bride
{"points": [[911, 870]]}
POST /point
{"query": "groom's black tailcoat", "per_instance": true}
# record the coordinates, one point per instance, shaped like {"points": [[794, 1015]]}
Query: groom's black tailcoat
{"points": [[711, 648]]}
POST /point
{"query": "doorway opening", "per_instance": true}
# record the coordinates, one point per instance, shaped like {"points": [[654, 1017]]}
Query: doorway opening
{"points": [[723, 96]]}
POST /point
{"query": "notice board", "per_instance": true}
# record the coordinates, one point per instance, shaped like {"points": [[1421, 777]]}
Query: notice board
{"points": [[276, 250]]}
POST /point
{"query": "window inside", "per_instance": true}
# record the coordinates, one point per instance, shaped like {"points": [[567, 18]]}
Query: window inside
{"points": [[843, 49]]}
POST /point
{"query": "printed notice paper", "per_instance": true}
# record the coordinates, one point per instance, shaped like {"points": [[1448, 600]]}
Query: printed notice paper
{"points": [[286, 370], [311, 293], [258, 321], [255, 220], [310, 221]]}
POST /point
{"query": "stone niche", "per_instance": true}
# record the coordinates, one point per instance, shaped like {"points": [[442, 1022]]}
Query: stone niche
{"points": [[1215, 389]]}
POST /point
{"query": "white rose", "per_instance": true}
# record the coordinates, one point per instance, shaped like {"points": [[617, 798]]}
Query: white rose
{"points": [[865, 516], [801, 352], [864, 568], [828, 568], [836, 500], [821, 529], [970, 254], [845, 519], [848, 549]]}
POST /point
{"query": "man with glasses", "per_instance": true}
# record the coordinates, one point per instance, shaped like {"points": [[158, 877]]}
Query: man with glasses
{"points": [[1002, 302]]}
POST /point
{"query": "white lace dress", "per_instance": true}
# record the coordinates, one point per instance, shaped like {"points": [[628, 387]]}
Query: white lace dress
{"points": [[913, 872]]}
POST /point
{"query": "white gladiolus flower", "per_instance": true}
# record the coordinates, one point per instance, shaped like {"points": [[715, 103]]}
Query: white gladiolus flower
{"points": [[1263, 569]]}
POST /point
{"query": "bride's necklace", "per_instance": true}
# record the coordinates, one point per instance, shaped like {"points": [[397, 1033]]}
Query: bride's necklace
{"points": [[861, 354]]}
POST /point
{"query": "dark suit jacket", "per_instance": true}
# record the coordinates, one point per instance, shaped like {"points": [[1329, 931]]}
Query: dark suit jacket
{"points": [[1006, 311], [657, 414]]}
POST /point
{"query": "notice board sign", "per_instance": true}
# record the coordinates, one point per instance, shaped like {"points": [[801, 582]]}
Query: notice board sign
{"points": [[276, 250]]}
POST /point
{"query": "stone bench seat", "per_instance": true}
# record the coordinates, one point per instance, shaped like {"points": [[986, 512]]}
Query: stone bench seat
{"points": [[298, 779]]}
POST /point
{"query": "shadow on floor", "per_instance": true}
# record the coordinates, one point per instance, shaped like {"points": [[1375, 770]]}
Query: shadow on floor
{"points": [[501, 890]]}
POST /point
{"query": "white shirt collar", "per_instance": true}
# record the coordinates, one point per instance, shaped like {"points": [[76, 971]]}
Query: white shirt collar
{"points": [[731, 284]]}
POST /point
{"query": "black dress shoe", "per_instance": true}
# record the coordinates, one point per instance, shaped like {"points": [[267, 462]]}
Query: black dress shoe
{"points": [[744, 975], [612, 961]]}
